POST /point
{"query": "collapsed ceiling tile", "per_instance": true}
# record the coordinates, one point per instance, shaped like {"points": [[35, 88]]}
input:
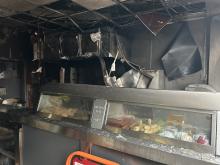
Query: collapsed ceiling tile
{"points": [[95, 4]]}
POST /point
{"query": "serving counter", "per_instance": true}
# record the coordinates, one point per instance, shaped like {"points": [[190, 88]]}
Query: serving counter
{"points": [[167, 127]]}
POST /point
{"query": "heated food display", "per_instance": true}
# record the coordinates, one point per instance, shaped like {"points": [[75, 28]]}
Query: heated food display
{"points": [[178, 125], [60, 106]]}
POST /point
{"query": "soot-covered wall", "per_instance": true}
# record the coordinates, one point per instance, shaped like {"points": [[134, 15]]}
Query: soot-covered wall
{"points": [[147, 50], [15, 48], [141, 47]]}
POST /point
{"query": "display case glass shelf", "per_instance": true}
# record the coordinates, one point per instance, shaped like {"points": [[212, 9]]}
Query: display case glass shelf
{"points": [[171, 119], [164, 125], [65, 106]]}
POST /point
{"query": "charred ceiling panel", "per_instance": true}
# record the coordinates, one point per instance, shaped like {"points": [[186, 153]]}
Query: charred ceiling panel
{"points": [[82, 15], [95, 4], [21, 5], [18, 5], [6, 12]]}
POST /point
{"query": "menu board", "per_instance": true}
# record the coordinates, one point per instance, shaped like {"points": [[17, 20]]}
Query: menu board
{"points": [[99, 113]]}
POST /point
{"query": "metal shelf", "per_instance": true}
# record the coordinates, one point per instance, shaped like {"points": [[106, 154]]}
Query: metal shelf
{"points": [[2, 59]]}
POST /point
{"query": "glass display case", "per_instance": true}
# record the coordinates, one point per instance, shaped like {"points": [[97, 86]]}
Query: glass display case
{"points": [[171, 126], [163, 126], [187, 128], [65, 106]]}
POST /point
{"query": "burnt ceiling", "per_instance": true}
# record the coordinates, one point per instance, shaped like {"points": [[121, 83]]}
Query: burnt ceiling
{"points": [[81, 15]]}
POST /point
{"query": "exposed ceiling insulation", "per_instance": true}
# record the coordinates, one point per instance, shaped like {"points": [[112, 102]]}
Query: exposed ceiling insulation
{"points": [[82, 15]]}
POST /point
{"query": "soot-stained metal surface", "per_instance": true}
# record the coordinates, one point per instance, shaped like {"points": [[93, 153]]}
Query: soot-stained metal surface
{"points": [[79, 16]]}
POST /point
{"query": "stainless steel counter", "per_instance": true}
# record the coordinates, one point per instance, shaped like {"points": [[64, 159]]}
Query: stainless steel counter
{"points": [[203, 102], [119, 142]]}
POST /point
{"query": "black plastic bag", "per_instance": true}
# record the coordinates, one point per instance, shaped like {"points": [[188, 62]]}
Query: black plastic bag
{"points": [[183, 58]]}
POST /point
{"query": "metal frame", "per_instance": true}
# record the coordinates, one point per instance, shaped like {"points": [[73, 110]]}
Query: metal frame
{"points": [[213, 125], [100, 15], [46, 20], [218, 135], [214, 131], [207, 103], [112, 20], [144, 12], [70, 18], [126, 144], [198, 102], [29, 24], [195, 147], [203, 101]]}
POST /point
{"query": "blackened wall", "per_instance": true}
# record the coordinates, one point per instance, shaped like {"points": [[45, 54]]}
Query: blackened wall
{"points": [[15, 49], [146, 50]]}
